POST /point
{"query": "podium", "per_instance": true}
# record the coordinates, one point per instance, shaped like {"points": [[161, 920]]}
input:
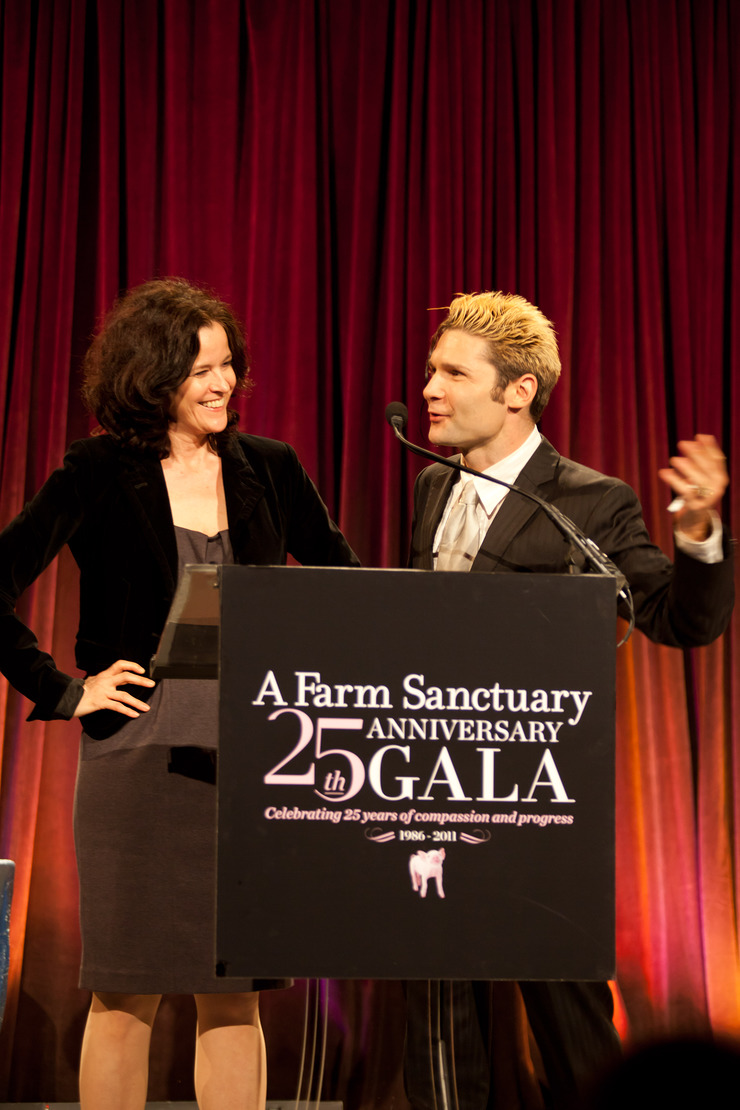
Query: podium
{"points": [[416, 772]]}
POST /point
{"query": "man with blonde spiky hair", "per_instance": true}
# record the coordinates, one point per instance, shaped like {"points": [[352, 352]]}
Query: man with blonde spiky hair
{"points": [[492, 365], [520, 339]]}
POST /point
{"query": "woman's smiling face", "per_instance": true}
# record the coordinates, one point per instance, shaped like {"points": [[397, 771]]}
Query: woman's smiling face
{"points": [[199, 405]]}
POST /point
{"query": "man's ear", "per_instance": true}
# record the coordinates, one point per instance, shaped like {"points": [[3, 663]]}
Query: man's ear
{"points": [[521, 393]]}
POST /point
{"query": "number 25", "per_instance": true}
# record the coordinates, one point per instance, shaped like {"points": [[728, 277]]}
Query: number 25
{"points": [[277, 776]]}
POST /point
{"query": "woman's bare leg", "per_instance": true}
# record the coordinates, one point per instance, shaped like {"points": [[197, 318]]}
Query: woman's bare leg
{"points": [[114, 1066], [230, 1070]]}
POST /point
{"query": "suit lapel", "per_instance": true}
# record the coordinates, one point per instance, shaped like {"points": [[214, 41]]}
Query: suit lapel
{"points": [[440, 484], [516, 510]]}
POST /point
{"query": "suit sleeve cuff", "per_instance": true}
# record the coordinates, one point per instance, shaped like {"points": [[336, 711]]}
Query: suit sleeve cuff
{"points": [[706, 551]]}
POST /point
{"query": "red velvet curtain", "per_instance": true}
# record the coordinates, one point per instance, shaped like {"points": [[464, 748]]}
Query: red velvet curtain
{"points": [[337, 169]]}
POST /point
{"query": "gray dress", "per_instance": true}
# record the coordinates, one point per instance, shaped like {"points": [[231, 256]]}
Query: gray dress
{"points": [[145, 837]]}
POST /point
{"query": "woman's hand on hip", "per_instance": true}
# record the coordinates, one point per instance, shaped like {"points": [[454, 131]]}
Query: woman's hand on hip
{"points": [[102, 690]]}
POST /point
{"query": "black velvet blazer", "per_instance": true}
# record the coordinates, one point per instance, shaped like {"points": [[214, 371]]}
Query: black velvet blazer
{"points": [[111, 506]]}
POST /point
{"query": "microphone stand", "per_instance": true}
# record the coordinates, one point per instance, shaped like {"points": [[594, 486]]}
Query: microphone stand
{"points": [[396, 414]]}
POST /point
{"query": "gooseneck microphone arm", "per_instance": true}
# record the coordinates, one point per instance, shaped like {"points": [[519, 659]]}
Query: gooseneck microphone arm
{"points": [[396, 414]]}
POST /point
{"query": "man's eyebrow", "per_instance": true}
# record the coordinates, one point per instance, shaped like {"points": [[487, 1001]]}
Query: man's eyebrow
{"points": [[444, 365]]}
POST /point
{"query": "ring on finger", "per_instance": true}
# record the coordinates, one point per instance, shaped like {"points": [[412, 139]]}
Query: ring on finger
{"points": [[702, 491]]}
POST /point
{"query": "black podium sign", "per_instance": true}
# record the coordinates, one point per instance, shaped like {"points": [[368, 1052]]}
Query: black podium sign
{"points": [[416, 775]]}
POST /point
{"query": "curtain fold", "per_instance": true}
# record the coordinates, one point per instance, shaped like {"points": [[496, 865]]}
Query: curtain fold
{"points": [[338, 171]]}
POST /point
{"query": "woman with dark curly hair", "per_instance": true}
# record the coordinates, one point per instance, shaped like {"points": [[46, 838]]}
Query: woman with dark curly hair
{"points": [[170, 482]]}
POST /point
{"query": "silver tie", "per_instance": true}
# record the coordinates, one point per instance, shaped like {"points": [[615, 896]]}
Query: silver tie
{"points": [[461, 537]]}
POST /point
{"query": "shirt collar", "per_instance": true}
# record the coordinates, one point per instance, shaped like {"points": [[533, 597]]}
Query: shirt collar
{"points": [[508, 470]]}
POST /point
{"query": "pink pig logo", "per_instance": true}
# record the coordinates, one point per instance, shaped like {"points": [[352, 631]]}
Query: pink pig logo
{"points": [[424, 866]]}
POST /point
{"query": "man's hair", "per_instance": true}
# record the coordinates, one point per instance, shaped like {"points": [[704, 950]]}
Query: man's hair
{"points": [[521, 340], [146, 350]]}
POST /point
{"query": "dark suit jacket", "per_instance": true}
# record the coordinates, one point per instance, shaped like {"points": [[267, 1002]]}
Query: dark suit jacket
{"points": [[683, 604], [111, 506]]}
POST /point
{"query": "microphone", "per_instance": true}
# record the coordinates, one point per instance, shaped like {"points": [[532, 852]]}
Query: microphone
{"points": [[397, 414]]}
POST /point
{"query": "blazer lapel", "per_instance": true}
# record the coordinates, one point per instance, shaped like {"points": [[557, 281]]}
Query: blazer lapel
{"points": [[243, 492], [516, 510], [143, 482]]}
